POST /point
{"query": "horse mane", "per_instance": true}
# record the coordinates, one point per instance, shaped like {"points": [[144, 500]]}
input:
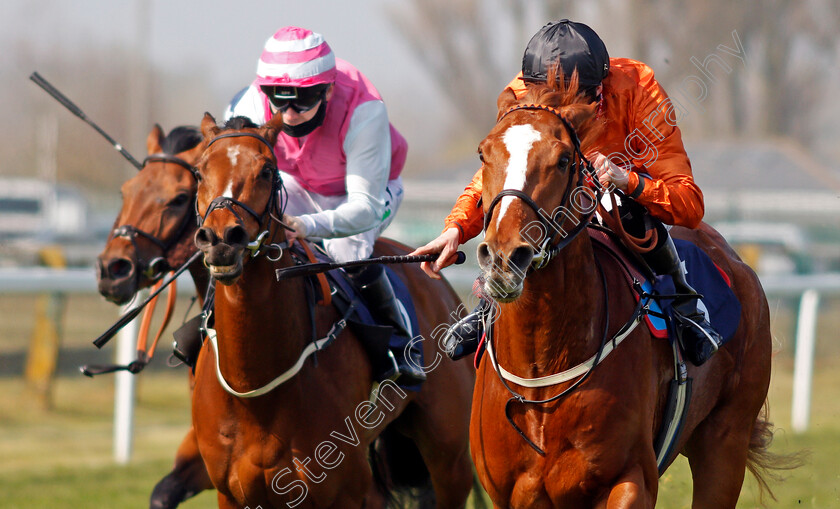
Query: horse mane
{"points": [[181, 139], [238, 123], [573, 99]]}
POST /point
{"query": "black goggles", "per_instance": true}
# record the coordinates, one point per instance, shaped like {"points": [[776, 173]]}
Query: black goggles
{"points": [[300, 99]]}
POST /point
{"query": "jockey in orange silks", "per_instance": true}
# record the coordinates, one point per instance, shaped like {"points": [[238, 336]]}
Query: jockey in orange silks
{"points": [[640, 153]]}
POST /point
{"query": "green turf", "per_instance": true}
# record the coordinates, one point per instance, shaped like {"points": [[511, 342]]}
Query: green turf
{"points": [[62, 458]]}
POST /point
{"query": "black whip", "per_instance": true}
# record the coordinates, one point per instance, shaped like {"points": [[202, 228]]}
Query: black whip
{"points": [[317, 268], [58, 96]]}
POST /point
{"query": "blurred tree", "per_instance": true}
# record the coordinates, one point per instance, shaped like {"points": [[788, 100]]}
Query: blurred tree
{"points": [[473, 47]]}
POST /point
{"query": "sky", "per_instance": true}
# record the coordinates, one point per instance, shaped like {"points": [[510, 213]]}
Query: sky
{"points": [[222, 36]]}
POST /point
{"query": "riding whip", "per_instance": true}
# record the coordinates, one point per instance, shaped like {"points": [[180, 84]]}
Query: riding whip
{"points": [[316, 268], [58, 96]]}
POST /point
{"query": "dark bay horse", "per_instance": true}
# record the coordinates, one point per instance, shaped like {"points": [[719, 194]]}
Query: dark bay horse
{"points": [[304, 442], [596, 441], [152, 234]]}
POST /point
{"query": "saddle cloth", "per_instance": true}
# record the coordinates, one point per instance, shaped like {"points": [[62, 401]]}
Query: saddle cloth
{"points": [[342, 288], [719, 303]]}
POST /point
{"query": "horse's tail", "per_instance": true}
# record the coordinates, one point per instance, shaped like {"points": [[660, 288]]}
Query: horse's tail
{"points": [[400, 472], [765, 465]]}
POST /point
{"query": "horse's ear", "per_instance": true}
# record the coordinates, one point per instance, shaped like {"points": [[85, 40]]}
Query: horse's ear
{"points": [[506, 99], [209, 129], [154, 140], [271, 129]]}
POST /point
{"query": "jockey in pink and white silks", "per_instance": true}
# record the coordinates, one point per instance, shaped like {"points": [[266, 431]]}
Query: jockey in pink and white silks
{"points": [[340, 160]]}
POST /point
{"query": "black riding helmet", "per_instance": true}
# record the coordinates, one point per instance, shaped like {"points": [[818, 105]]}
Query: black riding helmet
{"points": [[576, 46]]}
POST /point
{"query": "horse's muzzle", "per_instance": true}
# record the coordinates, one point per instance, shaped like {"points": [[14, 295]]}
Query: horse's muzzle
{"points": [[504, 271], [116, 279], [223, 257]]}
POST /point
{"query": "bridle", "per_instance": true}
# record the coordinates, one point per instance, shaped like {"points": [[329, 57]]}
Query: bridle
{"points": [[550, 246], [260, 245], [158, 266], [586, 174]]}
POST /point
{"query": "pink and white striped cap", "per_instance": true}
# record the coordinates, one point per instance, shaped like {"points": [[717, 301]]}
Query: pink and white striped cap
{"points": [[296, 57]]}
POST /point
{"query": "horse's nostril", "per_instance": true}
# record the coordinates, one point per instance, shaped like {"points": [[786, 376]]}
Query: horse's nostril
{"points": [[485, 258], [236, 236], [521, 257], [205, 237], [120, 268]]}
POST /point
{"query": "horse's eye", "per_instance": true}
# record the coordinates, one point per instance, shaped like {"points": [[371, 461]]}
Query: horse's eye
{"points": [[563, 163], [180, 200], [481, 156], [198, 177], [267, 172]]}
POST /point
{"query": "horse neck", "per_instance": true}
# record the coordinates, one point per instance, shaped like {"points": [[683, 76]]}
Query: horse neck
{"points": [[261, 325], [557, 322]]}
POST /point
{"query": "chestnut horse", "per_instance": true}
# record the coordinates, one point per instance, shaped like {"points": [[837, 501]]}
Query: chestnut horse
{"points": [[152, 234], [303, 442], [592, 445]]}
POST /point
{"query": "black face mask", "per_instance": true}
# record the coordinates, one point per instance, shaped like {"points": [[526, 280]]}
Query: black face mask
{"points": [[310, 125]]}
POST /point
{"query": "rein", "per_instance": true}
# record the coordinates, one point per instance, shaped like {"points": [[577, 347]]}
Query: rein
{"points": [[583, 370]]}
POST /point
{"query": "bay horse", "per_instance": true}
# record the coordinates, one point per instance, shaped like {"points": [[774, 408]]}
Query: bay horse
{"points": [[303, 442], [152, 234], [588, 441]]}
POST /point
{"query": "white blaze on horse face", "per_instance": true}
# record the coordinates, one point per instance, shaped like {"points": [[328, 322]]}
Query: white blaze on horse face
{"points": [[233, 156], [232, 153], [518, 140]]}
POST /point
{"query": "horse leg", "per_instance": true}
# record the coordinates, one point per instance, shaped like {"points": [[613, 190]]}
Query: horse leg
{"points": [[443, 449], [631, 492], [717, 455], [187, 478]]}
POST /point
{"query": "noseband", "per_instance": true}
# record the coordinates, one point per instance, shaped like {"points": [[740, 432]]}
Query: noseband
{"points": [[157, 267], [585, 175], [223, 202]]}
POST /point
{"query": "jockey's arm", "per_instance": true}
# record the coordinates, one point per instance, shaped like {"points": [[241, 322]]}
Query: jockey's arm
{"points": [[367, 147], [670, 195], [464, 222], [246, 103]]}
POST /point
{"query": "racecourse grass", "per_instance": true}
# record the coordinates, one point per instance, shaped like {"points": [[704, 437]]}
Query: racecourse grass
{"points": [[62, 457]]}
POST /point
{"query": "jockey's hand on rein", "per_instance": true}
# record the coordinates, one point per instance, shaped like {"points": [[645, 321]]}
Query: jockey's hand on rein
{"points": [[608, 172], [299, 232]]}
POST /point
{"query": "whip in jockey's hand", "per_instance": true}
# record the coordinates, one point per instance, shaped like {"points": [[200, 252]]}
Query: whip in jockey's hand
{"points": [[447, 245]]}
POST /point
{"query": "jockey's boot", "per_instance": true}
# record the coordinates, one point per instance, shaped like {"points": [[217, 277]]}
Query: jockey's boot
{"points": [[375, 288], [697, 336], [463, 336]]}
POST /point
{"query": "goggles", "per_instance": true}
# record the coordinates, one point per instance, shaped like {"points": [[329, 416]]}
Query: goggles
{"points": [[300, 99]]}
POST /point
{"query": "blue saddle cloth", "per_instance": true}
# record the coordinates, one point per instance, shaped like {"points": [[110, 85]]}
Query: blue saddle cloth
{"points": [[339, 278], [340, 283], [719, 303]]}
